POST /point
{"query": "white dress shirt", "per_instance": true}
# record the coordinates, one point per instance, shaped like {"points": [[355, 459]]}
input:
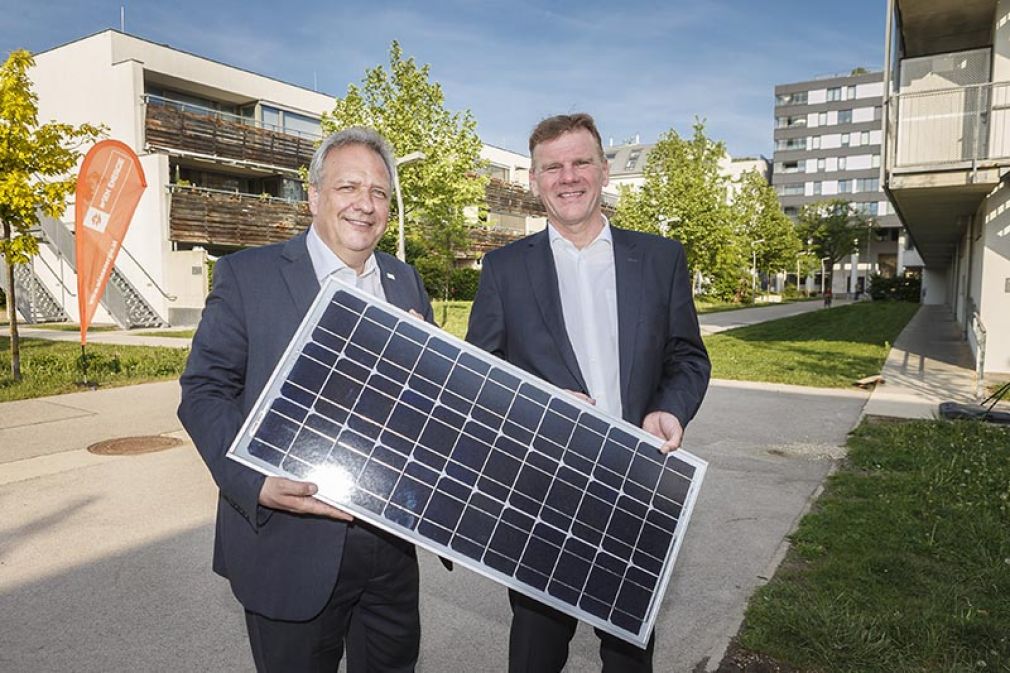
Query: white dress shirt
{"points": [[326, 263], [588, 286]]}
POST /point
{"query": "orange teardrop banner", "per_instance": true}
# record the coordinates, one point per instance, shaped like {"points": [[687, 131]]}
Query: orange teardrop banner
{"points": [[109, 187]]}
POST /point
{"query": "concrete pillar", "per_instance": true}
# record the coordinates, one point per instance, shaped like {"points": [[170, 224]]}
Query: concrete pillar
{"points": [[899, 267]]}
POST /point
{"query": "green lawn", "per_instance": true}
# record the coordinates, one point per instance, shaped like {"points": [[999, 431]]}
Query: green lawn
{"points": [[454, 315], [53, 367], [70, 327], [904, 564], [829, 348]]}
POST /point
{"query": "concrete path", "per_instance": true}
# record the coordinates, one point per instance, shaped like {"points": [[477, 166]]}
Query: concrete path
{"points": [[929, 363], [119, 337], [713, 323], [105, 561]]}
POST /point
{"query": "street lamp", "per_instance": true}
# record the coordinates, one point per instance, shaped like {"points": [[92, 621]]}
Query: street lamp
{"points": [[823, 274], [753, 266], [401, 245]]}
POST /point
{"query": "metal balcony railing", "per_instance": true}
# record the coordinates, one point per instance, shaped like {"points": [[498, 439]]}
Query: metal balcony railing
{"points": [[950, 128]]}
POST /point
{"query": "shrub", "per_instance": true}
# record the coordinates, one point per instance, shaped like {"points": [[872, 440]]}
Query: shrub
{"points": [[904, 288]]}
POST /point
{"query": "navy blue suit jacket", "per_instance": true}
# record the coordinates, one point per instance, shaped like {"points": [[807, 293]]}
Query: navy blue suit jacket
{"points": [[664, 366], [280, 565]]}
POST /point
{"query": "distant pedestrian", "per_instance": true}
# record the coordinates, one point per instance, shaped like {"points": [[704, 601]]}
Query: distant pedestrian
{"points": [[827, 298]]}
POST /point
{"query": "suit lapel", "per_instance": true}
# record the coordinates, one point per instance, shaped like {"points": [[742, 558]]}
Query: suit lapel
{"points": [[544, 278], [628, 272], [299, 276], [393, 287]]}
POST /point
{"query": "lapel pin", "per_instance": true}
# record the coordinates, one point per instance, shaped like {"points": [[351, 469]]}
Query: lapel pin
{"points": [[390, 276]]}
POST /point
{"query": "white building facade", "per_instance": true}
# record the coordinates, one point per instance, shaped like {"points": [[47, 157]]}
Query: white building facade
{"points": [[946, 164]]}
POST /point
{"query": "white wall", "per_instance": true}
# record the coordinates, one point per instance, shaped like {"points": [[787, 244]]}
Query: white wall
{"points": [[934, 286], [995, 278]]}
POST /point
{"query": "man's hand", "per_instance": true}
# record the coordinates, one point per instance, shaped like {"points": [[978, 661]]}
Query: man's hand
{"points": [[664, 425], [296, 497], [582, 396]]}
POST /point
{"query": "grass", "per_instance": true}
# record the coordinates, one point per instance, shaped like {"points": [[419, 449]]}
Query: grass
{"points": [[904, 564], [702, 306], [53, 367], [829, 348], [456, 315]]}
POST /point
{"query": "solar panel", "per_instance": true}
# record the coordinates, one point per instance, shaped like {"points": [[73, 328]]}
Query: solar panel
{"points": [[436, 441]]}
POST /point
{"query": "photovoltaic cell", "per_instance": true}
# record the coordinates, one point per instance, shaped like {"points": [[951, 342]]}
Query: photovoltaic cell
{"points": [[438, 442]]}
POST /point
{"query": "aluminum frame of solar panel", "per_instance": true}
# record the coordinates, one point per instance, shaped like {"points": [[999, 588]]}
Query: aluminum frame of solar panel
{"points": [[367, 416]]}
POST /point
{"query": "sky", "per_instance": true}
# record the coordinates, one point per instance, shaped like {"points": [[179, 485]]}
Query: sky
{"points": [[640, 68]]}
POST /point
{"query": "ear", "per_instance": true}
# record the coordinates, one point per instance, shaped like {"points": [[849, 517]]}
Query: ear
{"points": [[533, 182], [313, 199], [606, 173]]}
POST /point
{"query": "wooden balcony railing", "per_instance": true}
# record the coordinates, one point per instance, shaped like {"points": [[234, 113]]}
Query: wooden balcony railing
{"points": [[176, 126], [507, 197], [210, 217]]}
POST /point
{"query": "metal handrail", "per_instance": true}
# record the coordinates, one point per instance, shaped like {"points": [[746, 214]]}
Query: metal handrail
{"points": [[169, 297], [55, 275]]}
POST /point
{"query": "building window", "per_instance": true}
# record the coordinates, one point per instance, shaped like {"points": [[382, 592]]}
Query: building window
{"points": [[868, 185], [632, 160], [864, 138], [845, 116], [845, 140], [820, 165], [876, 113], [841, 163], [791, 190], [817, 188], [815, 143], [843, 186], [875, 161], [797, 98], [822, 118], [497, 172], [834, 93], [791, 211], [791, 144], [852, 93]]}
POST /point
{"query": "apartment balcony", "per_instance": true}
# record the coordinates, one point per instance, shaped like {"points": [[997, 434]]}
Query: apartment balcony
{"points": [[186, 129], [211, 217], [506, 197]]}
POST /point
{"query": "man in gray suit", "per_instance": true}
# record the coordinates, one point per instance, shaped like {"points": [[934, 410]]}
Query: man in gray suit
{"points": [[602, 312], [301, 568]]}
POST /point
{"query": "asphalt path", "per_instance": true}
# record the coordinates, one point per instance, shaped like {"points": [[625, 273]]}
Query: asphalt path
{"points": [[105, 561]]}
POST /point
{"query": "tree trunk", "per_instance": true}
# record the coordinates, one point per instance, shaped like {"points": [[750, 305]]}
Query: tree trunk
{"points": [[12, 313]]}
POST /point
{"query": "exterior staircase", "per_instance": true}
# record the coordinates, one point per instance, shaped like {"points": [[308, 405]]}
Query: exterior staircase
{"points": [[35, 302]]}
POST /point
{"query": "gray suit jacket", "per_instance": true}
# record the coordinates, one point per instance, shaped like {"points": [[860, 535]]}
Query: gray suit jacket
{"points": [[280, 565], [517, 316]]}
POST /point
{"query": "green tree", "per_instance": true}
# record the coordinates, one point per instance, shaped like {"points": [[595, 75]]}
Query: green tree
{"points": [[405, 106], [36, 163], [770, 235], [834, 227], [684, 197]]}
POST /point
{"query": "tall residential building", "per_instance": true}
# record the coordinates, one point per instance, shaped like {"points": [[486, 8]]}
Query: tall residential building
{"points": [[221, 148], [827, 145], [946, 164]]}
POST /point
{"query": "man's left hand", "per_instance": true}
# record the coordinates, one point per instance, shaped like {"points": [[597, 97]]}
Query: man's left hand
{"points": [[664, 425]]}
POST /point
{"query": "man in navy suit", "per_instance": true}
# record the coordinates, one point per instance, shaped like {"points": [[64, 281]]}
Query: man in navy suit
{"points": [[602, 312], [301, 568]]}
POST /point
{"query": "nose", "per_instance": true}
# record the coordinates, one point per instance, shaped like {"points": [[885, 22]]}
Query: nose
{"points": [[364, 202], [568, 173]]}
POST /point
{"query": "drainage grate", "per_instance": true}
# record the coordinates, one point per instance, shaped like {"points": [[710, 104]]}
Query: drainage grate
{"points": [[128, 446]]}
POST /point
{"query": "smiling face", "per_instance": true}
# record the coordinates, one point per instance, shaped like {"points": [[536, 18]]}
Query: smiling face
{"points": [[568, 174], [350, 205]]}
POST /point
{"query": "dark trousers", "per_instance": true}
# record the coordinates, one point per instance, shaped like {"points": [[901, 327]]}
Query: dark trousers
{"points": [[538, 642], [378, 586]]}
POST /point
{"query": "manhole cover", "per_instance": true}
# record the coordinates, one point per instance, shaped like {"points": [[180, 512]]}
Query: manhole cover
{"points": [[128, 446]]}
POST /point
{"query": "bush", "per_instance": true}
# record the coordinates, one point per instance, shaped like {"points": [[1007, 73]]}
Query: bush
{"points": [[463, 284], [903, 288], [790, 292]]}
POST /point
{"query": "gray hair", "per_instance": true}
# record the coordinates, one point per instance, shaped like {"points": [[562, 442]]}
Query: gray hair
{"points": [[354, 135]]}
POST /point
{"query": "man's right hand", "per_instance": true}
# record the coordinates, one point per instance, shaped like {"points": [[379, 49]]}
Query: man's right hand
{"points": [[296, 497]]}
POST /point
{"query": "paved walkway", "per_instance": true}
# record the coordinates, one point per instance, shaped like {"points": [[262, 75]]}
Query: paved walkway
{"points": [[119, 337], [713, 323], [929, 363], [105, 561]]}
